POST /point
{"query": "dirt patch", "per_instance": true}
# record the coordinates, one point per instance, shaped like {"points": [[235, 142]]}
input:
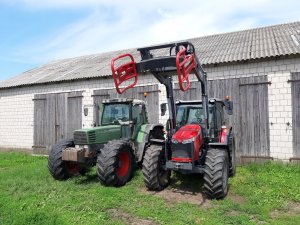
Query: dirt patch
{"points": [[118, 214], [256, 221], [233, 213], [292, 209], [236, 199], [183, 188], [179, 195]]}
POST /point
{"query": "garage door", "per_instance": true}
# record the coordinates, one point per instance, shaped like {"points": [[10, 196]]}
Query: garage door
{"points": [[56, 116], [152, 99]]}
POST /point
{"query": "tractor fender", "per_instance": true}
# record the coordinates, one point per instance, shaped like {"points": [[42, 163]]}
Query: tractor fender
{"points": [[228, 136], [143, 138], [227, 144]]}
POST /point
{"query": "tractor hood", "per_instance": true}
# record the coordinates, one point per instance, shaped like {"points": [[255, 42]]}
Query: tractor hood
{"points": [[187, 132], [97, 135]]}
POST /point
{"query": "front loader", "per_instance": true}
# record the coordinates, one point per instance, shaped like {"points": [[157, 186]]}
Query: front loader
{"points": [[198, 139], [114, 146]]}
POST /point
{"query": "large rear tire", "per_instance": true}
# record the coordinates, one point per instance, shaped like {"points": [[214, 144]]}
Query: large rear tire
{"points": [[216, 174], [115, 163], [59, 169], [156, 177]]}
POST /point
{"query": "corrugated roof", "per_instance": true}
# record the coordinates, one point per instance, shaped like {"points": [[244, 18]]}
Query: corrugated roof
{"points": [[264, 42]]}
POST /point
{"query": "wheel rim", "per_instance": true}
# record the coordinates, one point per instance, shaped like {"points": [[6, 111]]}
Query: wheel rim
{"points": [[123, 164], [72, 168]]}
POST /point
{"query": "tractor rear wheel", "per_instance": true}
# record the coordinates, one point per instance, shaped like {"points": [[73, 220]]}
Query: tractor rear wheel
{"points": [[59, 169], [216, 173], [155, 176], [115, 163]]}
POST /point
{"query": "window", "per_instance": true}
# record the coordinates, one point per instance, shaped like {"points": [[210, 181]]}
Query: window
{"points": [[187, 114], [137, 114], [112, 113]]}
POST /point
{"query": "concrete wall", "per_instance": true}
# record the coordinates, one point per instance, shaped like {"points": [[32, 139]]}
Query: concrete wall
{"points": [[16, 105]]}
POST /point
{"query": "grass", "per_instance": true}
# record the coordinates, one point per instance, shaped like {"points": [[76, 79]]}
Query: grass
{"points": [[29, 195]]}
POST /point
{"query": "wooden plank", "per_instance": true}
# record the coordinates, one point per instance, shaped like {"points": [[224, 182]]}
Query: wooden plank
{"points": [[255, 83], [296, 114], [75, 94], [99, 96], [49, 128], [39, 112], [60, 116], [39, 97], [74, 115]]}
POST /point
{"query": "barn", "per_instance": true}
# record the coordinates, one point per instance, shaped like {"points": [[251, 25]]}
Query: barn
{"points": [[259, 68]]}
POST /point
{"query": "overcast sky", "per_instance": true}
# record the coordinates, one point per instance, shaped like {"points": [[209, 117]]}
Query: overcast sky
{"points": [[34, 32]]}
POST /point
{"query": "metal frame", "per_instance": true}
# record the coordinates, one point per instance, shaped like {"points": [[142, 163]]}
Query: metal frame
{"points": [[160, 67]]}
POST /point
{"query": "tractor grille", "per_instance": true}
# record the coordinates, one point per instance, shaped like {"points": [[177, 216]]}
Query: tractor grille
{"points": [[92, 136], [80, 138], [180, 150]]}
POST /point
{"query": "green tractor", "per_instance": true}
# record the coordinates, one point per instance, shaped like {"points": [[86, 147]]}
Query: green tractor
{"points": [[114, 146]]}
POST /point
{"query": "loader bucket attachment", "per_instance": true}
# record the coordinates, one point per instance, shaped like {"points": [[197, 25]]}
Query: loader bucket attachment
{"points": [[125, 72], [185, 64]]}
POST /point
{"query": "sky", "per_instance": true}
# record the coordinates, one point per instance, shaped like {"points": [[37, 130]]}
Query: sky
{"points": [[34, 32]]}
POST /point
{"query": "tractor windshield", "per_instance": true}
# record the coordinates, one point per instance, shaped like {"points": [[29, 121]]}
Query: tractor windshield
{"points": [[113, 113], [189, 114]]}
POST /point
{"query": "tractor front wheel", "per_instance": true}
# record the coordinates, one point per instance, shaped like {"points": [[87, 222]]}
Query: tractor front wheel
{"points": [[216, 173], [59, 169], [155, 176], [115, 163]]}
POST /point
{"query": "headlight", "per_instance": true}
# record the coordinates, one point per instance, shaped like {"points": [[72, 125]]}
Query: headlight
{"points": [[188, 140], [174, 141]]}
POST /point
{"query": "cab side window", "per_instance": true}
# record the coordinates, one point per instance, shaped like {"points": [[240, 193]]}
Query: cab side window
{"points": [[219, 116], [137, 114]]}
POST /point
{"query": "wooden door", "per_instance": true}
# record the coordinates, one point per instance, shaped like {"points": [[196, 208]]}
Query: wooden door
{"points": [[56, 116], [254, 117]]}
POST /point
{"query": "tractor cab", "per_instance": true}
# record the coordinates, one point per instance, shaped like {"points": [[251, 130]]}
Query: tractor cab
{"points": [[192, 112], [119, 118], [188, 140], [131, 114]]}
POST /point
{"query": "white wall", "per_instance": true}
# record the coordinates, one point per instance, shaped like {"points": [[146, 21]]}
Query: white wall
{"points": [[17, 108], [16, 105]]}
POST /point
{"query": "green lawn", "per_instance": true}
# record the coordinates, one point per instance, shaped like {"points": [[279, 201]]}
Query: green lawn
{"points": [[259, 194]]}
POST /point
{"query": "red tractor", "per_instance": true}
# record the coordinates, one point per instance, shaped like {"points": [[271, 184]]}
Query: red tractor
{"points": [[197, 138]]}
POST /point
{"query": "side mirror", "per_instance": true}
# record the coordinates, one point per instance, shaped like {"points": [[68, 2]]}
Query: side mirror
{"points": [[228, 106], [163, 109]]}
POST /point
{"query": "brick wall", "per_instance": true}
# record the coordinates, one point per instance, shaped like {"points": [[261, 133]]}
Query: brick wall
{"points": [[16, 114], [280, 116]]}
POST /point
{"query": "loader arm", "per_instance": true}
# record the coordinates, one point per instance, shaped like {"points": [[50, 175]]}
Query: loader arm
{"points": [[181, 60]]}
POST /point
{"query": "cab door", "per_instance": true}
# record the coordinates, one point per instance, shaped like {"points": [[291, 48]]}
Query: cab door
{"points": [[138, 118]]}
